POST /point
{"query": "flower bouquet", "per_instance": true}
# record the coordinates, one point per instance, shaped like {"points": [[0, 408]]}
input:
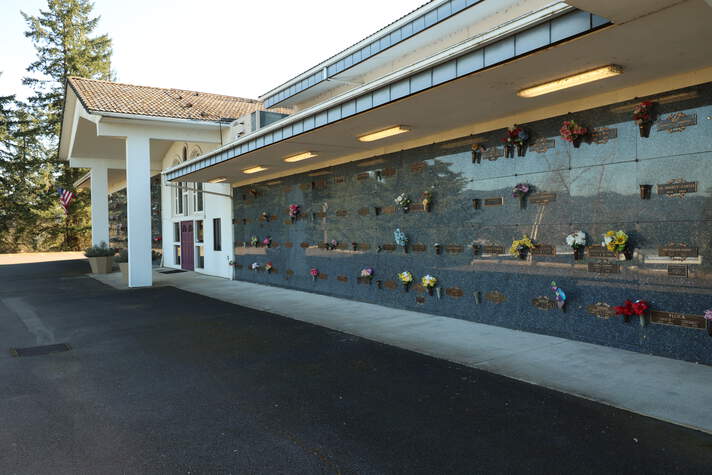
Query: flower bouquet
{"points": [[314, 272], [403, 201], [269, 267], [401, 239], [708, 321], [616, 241], [267, 242], [427, 200], [406, 279], [265, 216], [643, 116], [366, 274], [639, 308], [331, 245], [477, 150], [520, 191], [254, 241], [560, 296], [429, 282], [437, 247], [573, 132], [293, 212], [517, 138], [577, 241], [520, 247], [255, 266]]}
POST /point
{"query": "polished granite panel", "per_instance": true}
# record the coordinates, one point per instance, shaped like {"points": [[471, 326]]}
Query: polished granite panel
{"points": [[464, 240]]}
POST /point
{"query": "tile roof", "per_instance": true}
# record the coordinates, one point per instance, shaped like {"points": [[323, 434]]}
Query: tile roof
{"points": [[107, 96]]}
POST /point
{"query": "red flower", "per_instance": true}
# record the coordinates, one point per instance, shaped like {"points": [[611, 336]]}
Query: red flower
{"points": [[625, 309], [640, 306]]}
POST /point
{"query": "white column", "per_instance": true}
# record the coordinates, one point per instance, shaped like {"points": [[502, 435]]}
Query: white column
{"points": [[99, 205], [138, 198]]}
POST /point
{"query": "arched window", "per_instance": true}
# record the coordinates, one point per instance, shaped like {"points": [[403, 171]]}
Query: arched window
{"points": [[198, 197]]}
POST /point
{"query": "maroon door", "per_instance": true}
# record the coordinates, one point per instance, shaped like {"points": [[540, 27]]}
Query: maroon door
{"points": [[186, 245]]}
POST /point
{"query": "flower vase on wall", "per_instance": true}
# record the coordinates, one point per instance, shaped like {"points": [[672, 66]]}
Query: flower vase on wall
{"points": [[644, 129], [645, 191], [708, 324], [579, 253]]}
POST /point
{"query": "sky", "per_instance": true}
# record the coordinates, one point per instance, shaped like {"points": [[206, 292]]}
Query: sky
{"points": [[234, 47]]}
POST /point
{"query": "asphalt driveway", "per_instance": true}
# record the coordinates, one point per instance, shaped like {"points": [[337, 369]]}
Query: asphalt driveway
{"points": [[164, 381]]}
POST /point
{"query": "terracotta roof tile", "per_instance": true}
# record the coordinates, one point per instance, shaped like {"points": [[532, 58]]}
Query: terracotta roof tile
{"points": [[106, 96]]}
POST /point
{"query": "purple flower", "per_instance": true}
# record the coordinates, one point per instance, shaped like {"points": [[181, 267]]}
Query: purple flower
{"points": [[708, 315]]}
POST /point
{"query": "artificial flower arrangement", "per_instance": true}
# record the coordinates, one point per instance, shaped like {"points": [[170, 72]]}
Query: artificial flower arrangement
{"points": [[331, 245], [255, 266], [708, 321], [403, 201], [573, 132], [559, 295], [577, 241], [639, 307], [520, 191], [366, 274], [520, 247], [267, 242], [406, 279], [517, 138], [265, 216], [616, 241], [254, 241], [293, 212], [429, 282], [269, 267], [314, 272], [477, 150], [427, 200], [401, 239], [643, 116], [437, 247]]}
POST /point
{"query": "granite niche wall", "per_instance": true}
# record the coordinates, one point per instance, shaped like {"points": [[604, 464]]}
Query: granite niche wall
{"points": [[656, 189]]}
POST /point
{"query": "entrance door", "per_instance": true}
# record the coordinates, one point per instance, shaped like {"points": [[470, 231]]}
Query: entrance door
{"points": [[187, 248]]}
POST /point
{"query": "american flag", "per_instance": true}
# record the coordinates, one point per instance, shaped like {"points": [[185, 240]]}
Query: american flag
{"points": [[65, 199]]}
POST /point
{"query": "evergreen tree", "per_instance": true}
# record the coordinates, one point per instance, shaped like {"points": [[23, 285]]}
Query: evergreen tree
{"points": [[63, 38]]}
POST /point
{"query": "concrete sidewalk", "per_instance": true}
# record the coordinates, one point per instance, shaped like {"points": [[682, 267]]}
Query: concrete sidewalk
{"points": [[666, 389]]}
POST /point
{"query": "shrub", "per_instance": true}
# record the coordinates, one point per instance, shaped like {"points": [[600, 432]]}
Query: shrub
{"points": [[102, 250], [122, 256]]}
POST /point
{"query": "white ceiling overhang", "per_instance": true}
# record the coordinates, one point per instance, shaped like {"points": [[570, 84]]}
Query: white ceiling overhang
{"points": [[658, 51]]}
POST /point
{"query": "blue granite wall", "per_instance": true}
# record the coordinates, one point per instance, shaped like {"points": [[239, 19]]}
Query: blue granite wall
{"points": [[596, 187]]}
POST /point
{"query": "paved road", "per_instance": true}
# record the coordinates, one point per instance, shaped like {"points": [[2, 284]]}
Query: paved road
{"points": [[165, 381]]}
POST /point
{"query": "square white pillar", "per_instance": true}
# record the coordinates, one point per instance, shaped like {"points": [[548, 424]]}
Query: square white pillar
{"points": [[138, 198], [99, 205]]}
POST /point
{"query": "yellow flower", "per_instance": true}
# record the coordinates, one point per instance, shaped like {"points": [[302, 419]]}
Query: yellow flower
{"points": [[517, 244]]}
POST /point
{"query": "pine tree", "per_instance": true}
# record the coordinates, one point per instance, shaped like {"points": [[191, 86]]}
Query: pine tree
{"points": [[62, 37]]}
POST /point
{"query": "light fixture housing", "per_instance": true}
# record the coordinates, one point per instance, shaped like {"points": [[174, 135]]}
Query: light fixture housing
{"points": [[219, 179], [572, 81], [382, 134], [300, 156], [256, 169]]}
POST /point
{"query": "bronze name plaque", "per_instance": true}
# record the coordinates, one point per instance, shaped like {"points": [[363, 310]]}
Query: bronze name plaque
{"points": [[390, 285], [287, 221], [363, 212], [541, 198], [323, 276], [544, 303], [496, 296], [305, 186], [677, 187], [363, 280], [290, 272], [493, 153], [677, 319], [493, 250], [273, 244], [678, 250], [288, 244], [388, 171], [362, 246], [455, 292], [416, 207], [320, 214], [498, 201], [304, 245], [388, 210], [342, 278], [677, 270], [389, 247], [543, 250], [542, 145], [417, 167], [339, 180], [239, 266], [341, 213], [419, 288], [319, 184], [601, 135], [342, 246], [287, 189], [362, 176], [322, 245], [420, 300], [418, 247], [677, 122], [604, 267], [454, 249], [599, 251], [601, 310]]}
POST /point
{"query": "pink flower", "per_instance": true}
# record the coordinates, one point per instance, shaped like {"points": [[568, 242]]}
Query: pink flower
{"points": [[708, 315], [314, 272]]}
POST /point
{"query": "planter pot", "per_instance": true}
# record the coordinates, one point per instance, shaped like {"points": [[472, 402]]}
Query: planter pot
{"points": [[626, 318], [644, 129], [577, 141], [292, 219], [645, 191], [522, 202], [509, 151], [708, 324], [521, 150], [379, 284], [101, 265], [406, 287], [438, 250], [124, 266]]}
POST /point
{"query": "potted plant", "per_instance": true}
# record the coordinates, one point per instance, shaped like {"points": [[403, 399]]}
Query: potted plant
{"points": [[122, 259], [577, 242], [520, 191], [366, 275], [643, 116], [520, 247], [573, 132], [429, 282], [617, 241], [100, 258], [406, 279], [517, 138]]}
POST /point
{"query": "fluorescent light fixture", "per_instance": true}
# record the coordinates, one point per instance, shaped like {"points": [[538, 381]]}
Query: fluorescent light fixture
{"points": [[571, 81], [300, 156], [256, 169], [219, 179], [382, 134]]}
